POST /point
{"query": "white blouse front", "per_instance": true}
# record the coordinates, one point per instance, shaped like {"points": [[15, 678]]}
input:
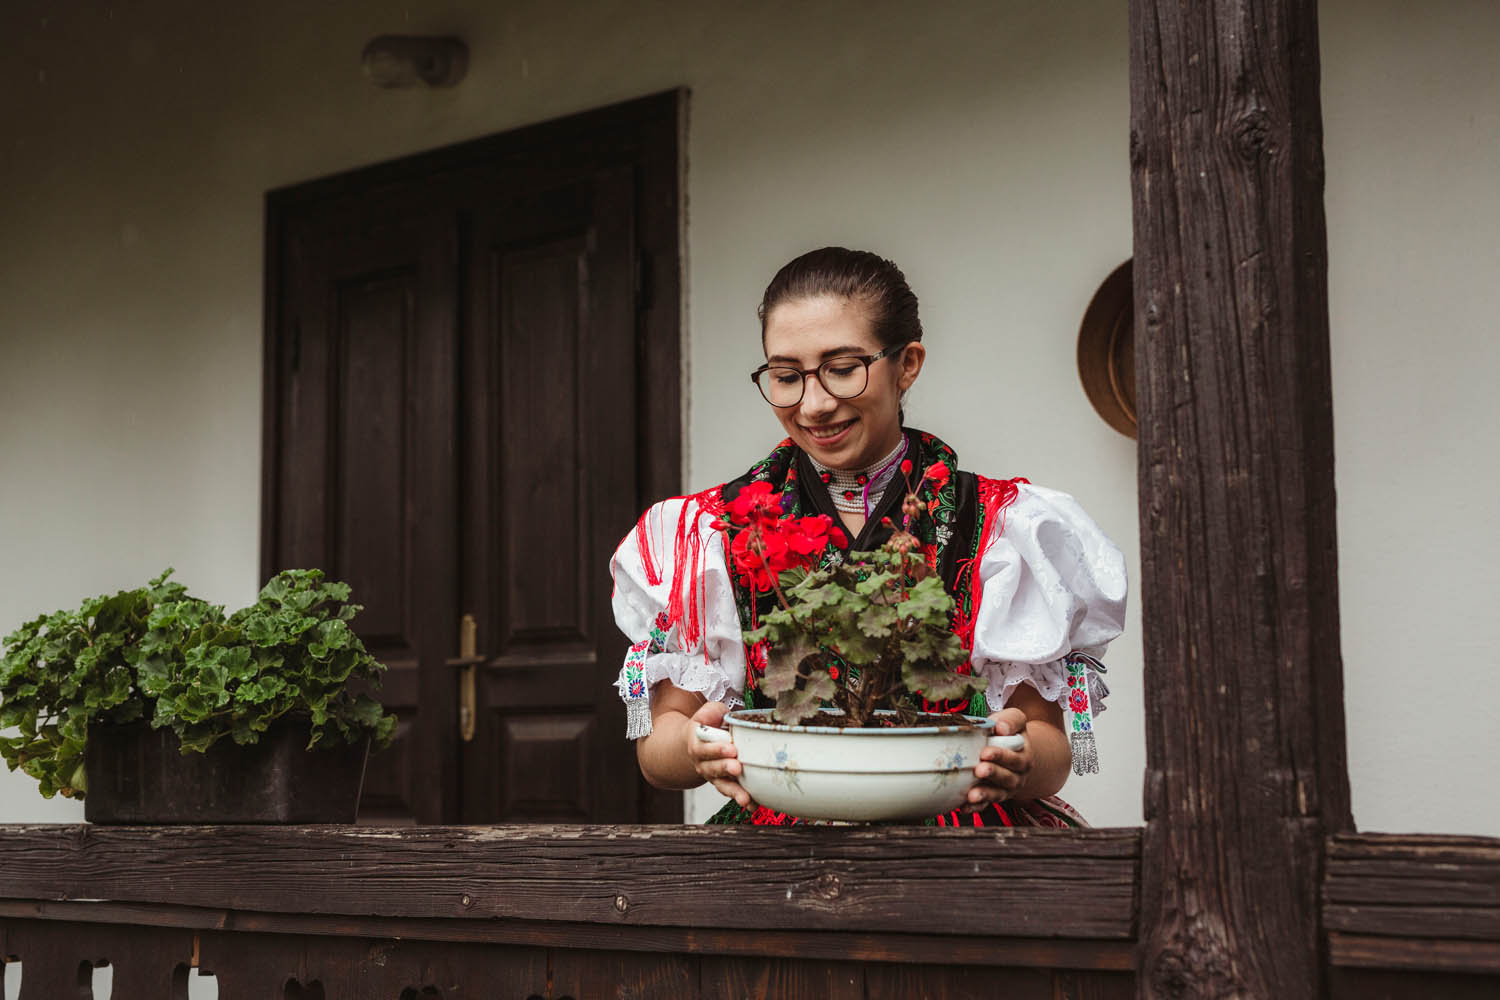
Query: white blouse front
{"points": [[1052, 585]]}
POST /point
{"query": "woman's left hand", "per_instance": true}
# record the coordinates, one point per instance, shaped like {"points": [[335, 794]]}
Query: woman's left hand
{"points": [[1001, 773]]}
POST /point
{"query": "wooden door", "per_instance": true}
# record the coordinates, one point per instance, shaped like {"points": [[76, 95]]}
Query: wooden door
{"points": [[361, 450], [454, 425], [550, 382]]}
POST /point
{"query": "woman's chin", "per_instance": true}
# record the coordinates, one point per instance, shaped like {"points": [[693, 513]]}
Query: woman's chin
{"points": [[837, 451]]}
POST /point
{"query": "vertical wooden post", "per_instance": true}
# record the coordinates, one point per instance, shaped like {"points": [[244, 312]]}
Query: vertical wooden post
{"points": [[1244, 694]]}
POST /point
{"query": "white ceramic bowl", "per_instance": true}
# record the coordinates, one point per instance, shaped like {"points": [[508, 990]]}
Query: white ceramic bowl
{"points": [[827, 773]]}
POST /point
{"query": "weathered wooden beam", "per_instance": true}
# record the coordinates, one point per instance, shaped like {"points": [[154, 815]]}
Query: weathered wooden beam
{"points": [[1246, 764], [1014, 883]]}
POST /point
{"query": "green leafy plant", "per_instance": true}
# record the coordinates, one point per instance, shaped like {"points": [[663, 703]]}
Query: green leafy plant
{"points": [[861, 630], [158, 655]]}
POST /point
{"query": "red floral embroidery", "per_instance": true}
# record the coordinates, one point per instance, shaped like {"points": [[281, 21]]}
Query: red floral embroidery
{"points": [[1077, 700], [770, 817]]}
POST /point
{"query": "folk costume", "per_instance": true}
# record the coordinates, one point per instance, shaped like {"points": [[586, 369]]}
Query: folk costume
{"points": [[1039, 593]]}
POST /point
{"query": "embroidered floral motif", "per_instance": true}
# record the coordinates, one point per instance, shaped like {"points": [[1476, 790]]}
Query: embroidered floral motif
{"points": [[637, 705], [660, 629], [1081, 726]]}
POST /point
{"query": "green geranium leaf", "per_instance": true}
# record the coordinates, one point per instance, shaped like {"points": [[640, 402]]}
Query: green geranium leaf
{"points": [[158, 654], [876, 620]]}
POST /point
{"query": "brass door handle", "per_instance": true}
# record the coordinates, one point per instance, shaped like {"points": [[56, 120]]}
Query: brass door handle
{"points": [[468, 684]]}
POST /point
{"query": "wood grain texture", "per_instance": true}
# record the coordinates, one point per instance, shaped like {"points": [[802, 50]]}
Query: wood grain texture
{"points": [[1108, 957], [1371, 984], [1416, 953], [829, 879], [1077, 984], [57, 956], [754, 978], [621, 975], [901, 982], [1244, 707], [1426, 901], [256, 966]]}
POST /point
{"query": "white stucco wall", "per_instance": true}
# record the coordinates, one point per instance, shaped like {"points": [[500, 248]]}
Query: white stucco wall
{"points": [[1411, 99], [980, 145]]}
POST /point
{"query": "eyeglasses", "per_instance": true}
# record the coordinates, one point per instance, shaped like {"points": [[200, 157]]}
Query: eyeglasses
{"points": [[842, 378]]}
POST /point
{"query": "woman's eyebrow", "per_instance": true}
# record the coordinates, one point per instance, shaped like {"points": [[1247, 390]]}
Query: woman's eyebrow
{"points": [[833, 352]]}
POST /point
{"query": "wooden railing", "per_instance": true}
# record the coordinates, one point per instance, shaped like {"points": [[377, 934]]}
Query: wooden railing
{"points": [[679, 912], [1415, 916], [578, 912]]}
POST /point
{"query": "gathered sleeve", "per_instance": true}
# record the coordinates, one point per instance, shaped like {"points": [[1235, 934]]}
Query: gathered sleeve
{"points": [[704, 654], [1052, 598]]}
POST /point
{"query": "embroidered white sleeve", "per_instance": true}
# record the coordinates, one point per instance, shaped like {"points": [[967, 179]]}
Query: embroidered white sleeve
{"points": [[714, 664], [1053, 584]]}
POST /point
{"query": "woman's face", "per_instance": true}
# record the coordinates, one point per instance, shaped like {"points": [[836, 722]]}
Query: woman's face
{"points": [[839, 433]]}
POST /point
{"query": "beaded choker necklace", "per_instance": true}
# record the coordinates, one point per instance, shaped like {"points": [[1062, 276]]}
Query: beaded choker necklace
{"points": [[858, 491]]}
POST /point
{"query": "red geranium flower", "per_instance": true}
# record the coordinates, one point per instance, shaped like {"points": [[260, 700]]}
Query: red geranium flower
{"points": [[755, 502], [759, 556], [808, 536], [766, 548]]}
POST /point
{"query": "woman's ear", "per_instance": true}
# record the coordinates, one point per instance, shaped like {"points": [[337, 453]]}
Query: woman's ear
{"points": [[911, 364]]}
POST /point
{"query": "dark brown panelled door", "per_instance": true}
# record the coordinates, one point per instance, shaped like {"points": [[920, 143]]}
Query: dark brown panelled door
{"points": [[455, 425], [551, 342]]}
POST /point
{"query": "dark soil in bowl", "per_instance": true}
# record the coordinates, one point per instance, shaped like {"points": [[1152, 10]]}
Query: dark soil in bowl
{"points": [[889, 721]]}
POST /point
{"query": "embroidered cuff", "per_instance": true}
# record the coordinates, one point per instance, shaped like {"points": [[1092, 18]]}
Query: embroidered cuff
{"points": [[1083, 683]]}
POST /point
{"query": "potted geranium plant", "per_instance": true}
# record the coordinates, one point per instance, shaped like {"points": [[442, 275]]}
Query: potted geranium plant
{"points": [[857, 642], [155, 706]]}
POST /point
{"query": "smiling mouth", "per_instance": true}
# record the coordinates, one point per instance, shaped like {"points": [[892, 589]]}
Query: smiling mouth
{"points": [[828, 431]]}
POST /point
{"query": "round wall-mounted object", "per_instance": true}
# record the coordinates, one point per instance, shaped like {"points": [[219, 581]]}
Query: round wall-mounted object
{"points": [[1106, 351]]}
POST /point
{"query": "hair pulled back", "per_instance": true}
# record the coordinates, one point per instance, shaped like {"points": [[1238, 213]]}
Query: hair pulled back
{"points": [[857, 275]]}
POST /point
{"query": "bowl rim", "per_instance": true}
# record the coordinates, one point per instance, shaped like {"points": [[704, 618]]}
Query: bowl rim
{"points": [[981, 723]]}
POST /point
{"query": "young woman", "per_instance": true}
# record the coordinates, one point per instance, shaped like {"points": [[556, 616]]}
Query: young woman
{"points": [[1040, 590]]}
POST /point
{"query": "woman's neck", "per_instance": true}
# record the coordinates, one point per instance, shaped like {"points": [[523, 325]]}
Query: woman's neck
{"points": [[856, 492]]}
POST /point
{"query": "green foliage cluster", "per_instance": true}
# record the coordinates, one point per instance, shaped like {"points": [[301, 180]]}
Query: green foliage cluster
{"points": [[881, 613], [178, 662]]}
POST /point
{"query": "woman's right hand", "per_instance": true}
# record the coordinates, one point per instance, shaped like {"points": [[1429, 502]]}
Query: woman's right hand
{"points": [[716, 762]]}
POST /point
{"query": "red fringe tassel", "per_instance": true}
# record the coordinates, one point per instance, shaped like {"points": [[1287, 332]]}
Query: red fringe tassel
{"points": [[995, 495], [685, 606]]}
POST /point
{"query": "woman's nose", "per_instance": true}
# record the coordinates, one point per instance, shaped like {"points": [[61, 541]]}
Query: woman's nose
{"points": [[815, 399]]}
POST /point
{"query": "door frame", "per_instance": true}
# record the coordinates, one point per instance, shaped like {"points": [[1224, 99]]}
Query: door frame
{"points": [[646, 133]]}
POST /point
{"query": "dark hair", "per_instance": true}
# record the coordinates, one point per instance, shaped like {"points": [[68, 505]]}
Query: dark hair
{"points": [[859, 275]]}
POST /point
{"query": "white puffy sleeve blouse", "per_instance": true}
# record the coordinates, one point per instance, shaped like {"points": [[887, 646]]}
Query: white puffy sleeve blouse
{"points": [[711, 663], [1052, 587]]}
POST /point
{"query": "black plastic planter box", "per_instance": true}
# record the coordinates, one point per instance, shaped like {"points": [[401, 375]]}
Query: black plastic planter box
{"points": [[140, 775]]}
